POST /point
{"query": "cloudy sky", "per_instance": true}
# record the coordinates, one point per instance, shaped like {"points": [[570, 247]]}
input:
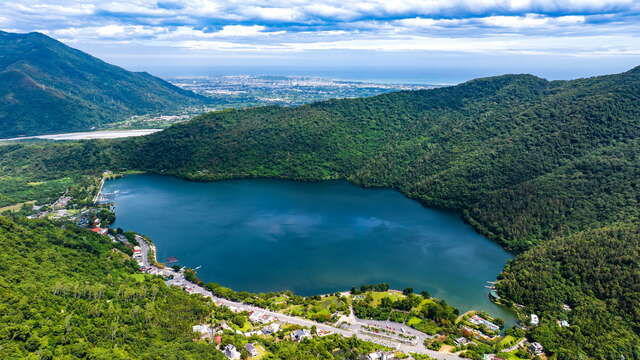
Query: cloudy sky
{"points": [[429, 40]]}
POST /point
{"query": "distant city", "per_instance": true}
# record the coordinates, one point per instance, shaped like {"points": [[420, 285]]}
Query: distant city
{"points": [[243, 91], [239, 91]]}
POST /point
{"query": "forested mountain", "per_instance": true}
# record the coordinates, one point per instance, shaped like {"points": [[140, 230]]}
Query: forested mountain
{"points": [[526, 160], [46, 86], [67, 293], [596, 273]]}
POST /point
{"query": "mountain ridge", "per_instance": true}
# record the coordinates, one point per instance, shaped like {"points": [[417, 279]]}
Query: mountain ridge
{"points": [[65, 89]]}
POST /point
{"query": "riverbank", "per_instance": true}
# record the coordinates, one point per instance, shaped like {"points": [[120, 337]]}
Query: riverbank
{"points": [[88, 135]]}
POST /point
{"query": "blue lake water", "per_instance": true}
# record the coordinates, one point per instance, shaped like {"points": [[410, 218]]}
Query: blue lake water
{"points": [[312, 238]]}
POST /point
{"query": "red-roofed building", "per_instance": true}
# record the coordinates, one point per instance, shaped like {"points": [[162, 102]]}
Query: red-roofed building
{"points": [[101, 231]]}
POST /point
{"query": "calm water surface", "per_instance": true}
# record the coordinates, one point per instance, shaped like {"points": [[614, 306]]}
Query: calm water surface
{"points": [[311, 238]]}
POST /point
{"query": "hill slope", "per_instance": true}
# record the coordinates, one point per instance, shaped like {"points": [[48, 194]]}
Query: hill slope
{"points": [[597, 273], [46, 86]]}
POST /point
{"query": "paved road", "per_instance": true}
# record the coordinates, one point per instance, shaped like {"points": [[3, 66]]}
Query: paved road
{"points": [[144, 250], [353, 329]]}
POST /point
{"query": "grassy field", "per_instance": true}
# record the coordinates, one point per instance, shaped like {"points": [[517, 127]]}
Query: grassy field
{"points": [[17, 190], [16, 207]]}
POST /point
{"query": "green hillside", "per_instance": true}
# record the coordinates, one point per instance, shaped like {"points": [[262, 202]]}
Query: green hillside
{"points": [[46, 86], [527, 162], [596, 273], [525, 159], [67, 293]]}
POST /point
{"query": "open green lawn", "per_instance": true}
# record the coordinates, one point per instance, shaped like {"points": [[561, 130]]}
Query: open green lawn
{"points": [[378, 296], [14, 190], [414, 321]]}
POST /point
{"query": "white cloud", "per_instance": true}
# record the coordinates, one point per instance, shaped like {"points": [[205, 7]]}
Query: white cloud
{"points": [[531, 21], [241, 30], [272, 13], [110, 30], [526, 26]]}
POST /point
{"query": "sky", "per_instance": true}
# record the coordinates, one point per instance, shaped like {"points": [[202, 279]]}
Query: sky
{"points": [[422, 41]]}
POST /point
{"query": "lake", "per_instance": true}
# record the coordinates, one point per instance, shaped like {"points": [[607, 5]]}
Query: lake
{"points": [[312, 238]]}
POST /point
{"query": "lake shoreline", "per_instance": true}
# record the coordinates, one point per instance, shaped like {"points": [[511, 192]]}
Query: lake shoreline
{"points": [[339, 182]]}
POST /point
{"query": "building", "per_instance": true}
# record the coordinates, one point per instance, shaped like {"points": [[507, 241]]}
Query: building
{"points": [[231, 353], [380, 355], [101, 231], [536, 348], [258, 317], [563, 323], [204, 330], [300, 334], [251, 349], [491, 357], [271, 328], [462, 341], [534, 321], [477, 320]]}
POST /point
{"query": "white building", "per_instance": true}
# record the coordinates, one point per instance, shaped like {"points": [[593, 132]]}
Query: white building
{"points": [[271, 328], [231, 353], [380, 355], [300, 334], [534, 320], [202, 329], [536, 348]]}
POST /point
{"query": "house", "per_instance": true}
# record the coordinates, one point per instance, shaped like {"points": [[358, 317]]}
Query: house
{"points": [[258, 317], [462, 341], [534, 320], [217, 339], [300, 334], [231, 353], [271, 328], [536, 348], [251, 349], [380, 355], [563, 323], [566, 307], [101, 231], [204, 330]]}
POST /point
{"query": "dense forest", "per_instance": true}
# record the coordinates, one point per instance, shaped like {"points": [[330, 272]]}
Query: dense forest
{"points": [[67, 293], [597, 274], [46, 86], [525, 160]]}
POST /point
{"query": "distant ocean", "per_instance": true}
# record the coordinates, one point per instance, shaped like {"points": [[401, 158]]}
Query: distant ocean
{"points": [[383, 76], [421, 75]]}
